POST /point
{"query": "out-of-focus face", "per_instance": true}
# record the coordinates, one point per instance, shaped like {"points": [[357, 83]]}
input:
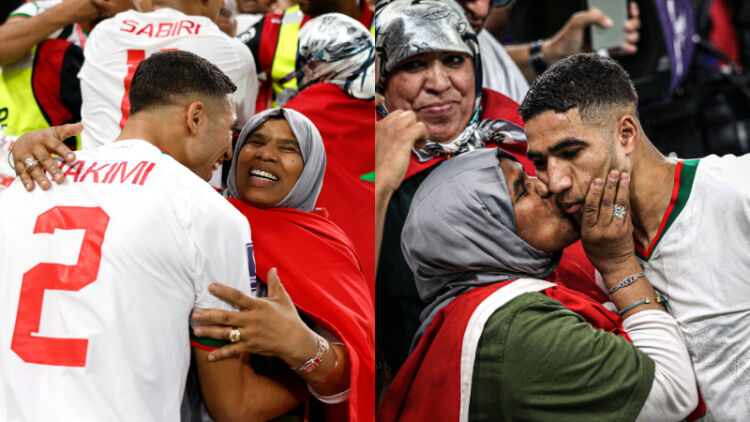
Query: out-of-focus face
{"points": [[477, 12], [210, 9], [253, 6], [569, 154], [227, 21], [540, 221], [439, 87], [269, 164], [319, 7], [214, 145]]}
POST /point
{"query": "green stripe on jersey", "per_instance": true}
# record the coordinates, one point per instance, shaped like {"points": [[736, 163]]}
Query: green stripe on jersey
{"points": [[687, 176], [209, 342]]}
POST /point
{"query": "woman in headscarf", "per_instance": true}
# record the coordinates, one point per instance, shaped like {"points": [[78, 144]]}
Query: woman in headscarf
{"points": [[275, 178], [336, 78], [500, 343], [430, 78]]}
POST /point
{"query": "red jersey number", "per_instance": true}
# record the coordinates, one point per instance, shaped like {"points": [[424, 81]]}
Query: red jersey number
{"points": [[135, 57], [32, 348]]}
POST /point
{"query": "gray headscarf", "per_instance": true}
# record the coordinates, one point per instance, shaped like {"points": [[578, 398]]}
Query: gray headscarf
{"points": [[461, 232], [305, 192], [407, 28]]}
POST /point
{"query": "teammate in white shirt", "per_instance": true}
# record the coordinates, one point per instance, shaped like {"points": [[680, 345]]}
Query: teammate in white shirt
{"points": [[691, 218], [116, 46], [101, 272]]}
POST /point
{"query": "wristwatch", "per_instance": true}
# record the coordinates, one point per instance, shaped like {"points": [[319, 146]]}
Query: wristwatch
{"points": [[536, 58]]}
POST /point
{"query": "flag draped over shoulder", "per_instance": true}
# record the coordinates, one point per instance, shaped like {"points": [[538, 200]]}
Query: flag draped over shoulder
{"points": [[321, 272]]}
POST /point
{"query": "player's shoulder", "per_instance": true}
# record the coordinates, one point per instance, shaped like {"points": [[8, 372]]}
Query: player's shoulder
{"points": [[721, 168], [721, 180]]}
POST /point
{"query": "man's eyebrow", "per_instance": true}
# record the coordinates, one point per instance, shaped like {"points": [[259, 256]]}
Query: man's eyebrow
{"points": [[566, 143]]}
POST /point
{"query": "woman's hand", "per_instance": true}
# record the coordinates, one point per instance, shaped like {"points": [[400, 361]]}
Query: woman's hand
{"points": [[395, 136], [38, 145], [606, 227], [268, 326]]}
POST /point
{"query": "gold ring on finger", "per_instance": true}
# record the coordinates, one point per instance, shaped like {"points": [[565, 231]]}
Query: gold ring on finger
{"points": [[234, 335]]}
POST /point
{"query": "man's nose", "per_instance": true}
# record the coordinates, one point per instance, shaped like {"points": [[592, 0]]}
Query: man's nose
{"points": [[557, 178]]}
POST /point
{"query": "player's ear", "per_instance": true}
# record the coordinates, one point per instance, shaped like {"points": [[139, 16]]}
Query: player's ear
{"points": [[196, 113], [627, 133]]}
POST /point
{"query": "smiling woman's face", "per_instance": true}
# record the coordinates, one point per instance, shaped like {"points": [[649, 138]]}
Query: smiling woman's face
{"points": [[438, 87], [269, 164]]}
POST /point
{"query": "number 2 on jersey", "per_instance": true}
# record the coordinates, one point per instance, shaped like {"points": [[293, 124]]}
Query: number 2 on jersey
{"points": [[47, 276]]}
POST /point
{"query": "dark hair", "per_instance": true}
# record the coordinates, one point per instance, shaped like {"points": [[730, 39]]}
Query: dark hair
{"points": [[162, 77], [588, 82]]}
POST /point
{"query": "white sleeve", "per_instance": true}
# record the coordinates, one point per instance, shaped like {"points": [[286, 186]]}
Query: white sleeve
{"points": [[674, 393], [224, 255]]}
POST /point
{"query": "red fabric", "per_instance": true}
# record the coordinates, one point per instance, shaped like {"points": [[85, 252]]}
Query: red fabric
{"points": [[576, 272], [428, 383], [723, 34], [46, 80], [347, 126], [494, 106], [366, 17], [320, 271]]}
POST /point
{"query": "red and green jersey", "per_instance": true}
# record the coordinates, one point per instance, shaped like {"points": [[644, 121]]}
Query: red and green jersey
{"points": [[700, 260]]}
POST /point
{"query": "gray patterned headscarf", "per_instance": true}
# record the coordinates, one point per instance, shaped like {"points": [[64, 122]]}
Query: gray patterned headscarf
{"points": [[461, 232], [337, 49], [305, 192], [406, 28]]}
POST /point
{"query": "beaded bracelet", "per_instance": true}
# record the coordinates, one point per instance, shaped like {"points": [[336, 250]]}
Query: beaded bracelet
{"points": [[627, 282], [633, 305]]}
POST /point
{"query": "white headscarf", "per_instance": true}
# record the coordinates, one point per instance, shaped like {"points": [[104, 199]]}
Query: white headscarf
{"points": [[406, 28], [337, 49]]}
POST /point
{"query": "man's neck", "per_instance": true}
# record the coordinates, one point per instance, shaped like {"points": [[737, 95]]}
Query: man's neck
{"points": [[650, 191], [145, 129]]}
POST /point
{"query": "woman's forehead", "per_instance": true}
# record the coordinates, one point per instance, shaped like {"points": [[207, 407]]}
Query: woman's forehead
{"points": [[275, 127]]}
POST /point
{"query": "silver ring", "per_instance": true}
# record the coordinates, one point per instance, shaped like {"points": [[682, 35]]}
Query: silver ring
{"points": [[234, 335], [31, 162], [619, 212]]}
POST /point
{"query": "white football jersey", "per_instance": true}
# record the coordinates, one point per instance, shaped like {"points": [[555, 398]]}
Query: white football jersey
{"points": [[700, 260], [99, 277], [116, 46]]}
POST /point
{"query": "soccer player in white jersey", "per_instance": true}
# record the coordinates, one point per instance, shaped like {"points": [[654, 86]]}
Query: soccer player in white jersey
{"points": [[116, 46], [100, 273], [691, 218]]}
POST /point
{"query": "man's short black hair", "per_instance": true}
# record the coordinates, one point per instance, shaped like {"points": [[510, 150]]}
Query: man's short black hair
{"points": [[589, 82], [163, 77]]}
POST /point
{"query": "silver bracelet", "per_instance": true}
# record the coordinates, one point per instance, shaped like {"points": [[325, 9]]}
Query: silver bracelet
{"points": [[10, 159], [633, 305], [627, 282]]}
